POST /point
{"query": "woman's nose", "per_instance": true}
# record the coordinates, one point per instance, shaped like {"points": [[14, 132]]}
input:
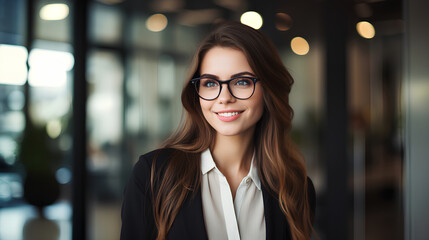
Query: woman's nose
{"points": [[225, 95]]}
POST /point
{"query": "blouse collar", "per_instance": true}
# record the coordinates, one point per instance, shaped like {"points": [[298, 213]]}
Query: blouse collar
{"points": [[208, 164]]}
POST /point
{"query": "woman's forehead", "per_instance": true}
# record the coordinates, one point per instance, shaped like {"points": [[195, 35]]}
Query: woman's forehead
{"points": [[224, 61]]}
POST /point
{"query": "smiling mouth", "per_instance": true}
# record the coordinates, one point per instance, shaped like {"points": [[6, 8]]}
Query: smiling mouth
{"points": [[228, 114]]}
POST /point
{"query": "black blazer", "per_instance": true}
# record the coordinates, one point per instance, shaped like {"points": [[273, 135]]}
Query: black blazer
{"points": [[137, 214]]}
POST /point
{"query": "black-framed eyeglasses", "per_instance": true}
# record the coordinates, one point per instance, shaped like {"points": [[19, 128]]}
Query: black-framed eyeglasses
{"points": [[209, 88]]}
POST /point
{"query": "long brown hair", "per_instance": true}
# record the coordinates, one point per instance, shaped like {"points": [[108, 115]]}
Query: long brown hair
{"points": [[279, 162]]}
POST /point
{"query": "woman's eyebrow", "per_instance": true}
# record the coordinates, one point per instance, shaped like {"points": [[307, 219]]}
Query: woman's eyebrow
{"points": [[233, 76], [243, 73], [210, 76]]}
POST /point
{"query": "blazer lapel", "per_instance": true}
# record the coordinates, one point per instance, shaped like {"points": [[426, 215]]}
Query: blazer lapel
{"points": [[189, 223], [195, 218], [276, 226]]}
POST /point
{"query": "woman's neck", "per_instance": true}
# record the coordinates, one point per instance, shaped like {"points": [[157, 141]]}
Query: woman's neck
{"points": [[233, 154]]}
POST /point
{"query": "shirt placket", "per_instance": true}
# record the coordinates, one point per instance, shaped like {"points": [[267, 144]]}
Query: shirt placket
{"points": [[228, 208], [239, 195]]}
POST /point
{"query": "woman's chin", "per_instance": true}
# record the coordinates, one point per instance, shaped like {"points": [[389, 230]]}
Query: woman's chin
{"points": [[227, 132], [232, 132]]}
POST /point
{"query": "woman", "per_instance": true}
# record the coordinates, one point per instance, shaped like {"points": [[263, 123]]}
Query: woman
{"points": [[231, 170]]}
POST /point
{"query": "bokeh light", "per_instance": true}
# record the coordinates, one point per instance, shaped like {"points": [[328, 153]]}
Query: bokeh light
{"points": [[8, 147], [56, 11], [365, 29], [63, 175], [49, 68], [157, 22], [283, 21], [300, 46], [16, 100], [13, 64], [252, 19], [53, 128]]}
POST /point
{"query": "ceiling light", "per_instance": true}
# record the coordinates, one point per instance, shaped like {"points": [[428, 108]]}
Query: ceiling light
{"points": [[283, 21], [252, 19], [157, 22], [365, 29], [300, 46]]}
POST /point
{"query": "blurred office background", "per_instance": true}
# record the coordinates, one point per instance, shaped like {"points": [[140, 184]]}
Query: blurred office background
{"points": [[88, 86]]}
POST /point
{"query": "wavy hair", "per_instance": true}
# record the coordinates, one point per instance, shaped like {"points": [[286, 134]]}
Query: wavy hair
{"points": [[279, 162]]}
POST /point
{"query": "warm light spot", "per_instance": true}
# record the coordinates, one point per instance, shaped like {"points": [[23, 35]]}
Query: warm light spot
{"points": [[49, 68], [299, 46], [13, 64], [252, 19], [53, 128], [56, 11], [283, 21], [365, 29], [157, 22]]}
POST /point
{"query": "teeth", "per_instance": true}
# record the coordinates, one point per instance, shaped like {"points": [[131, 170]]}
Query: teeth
{"points": [[228, 114]]}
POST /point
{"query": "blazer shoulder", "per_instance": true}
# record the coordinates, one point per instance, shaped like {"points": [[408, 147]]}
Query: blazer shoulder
{"points": [[137, 209], [142, 168], [159, 155]]}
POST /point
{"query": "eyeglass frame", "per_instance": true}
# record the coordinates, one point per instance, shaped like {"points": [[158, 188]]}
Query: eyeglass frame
{"points": [[254, 79]]}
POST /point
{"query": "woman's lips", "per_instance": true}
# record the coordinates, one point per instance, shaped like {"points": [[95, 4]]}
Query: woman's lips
{"points": [[229, 116]]}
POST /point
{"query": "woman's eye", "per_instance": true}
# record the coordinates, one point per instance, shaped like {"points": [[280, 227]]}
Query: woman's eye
{"points": [[209, 83], [243, 82]]}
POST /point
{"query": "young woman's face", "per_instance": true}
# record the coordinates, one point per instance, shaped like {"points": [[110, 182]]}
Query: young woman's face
{"points": [[228, 115]]}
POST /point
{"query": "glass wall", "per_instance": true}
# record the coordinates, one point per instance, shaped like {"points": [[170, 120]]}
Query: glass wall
{"points": [[135, 75], [35, 85], [13, 75], [376, 118]]}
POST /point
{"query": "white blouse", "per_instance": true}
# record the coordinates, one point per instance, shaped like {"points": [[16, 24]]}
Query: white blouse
{"points": [[225, 218]]}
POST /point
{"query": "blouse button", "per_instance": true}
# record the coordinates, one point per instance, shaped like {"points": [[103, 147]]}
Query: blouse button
{"points": [[248, 180]]}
